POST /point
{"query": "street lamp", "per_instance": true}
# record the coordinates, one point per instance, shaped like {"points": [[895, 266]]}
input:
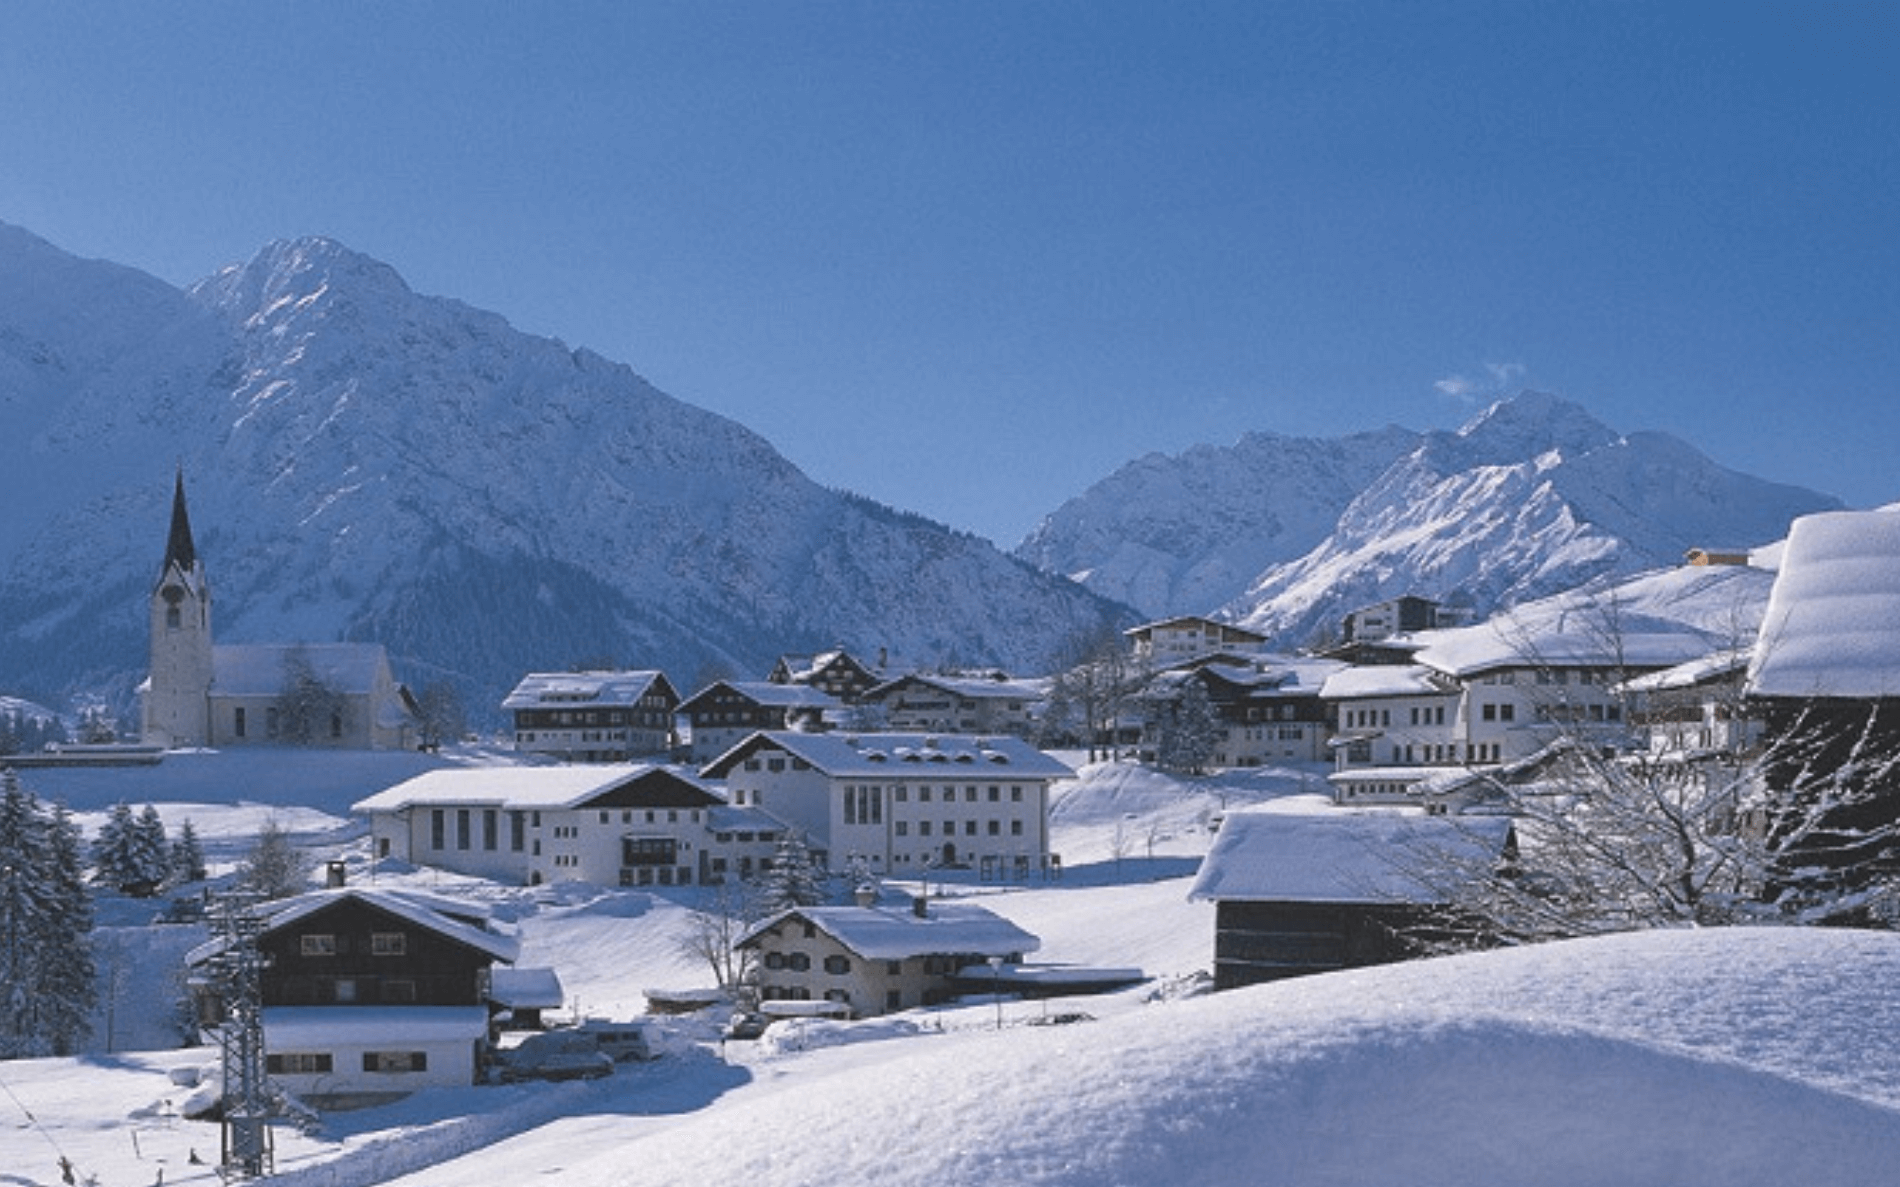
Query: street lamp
{"points": [[996, 987]]}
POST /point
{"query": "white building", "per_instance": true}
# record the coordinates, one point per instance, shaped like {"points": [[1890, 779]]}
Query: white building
{"points": [[900, 802], [876, 959], [626, 825], [1175, 640], [957, 704]]}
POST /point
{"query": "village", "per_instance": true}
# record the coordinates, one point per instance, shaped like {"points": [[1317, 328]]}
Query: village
{"points": [[833, 818]]}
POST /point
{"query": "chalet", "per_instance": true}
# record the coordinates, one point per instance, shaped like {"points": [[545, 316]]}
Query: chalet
{"points": [[869, 959], [726, 712], [627, 825], [902, 802], [200, 693], [957, 704], [1170, 641], [594, 716], [1695, 708], [1825, 678], [367, 994], [1300, 892], [1269, 710], [837, 673]]}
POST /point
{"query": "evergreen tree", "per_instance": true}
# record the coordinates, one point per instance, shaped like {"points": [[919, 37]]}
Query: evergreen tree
{"points": [[112, 848], [24, 908], [68, 981], [187, 856], [793, 880], [273, 868], [147, 856]]}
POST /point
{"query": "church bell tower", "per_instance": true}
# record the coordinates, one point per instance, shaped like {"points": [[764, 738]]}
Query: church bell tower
{"points": [[177, 709]]}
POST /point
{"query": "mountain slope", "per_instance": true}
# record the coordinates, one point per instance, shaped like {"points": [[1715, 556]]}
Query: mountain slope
{"points": [[1531, 498], [366, 463], [1190, 532]]}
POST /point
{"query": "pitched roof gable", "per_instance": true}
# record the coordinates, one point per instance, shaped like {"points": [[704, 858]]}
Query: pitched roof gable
{"points": [[898, 933]]}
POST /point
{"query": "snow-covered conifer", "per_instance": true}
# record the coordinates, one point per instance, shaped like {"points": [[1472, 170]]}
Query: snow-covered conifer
{"points": [[793, 880]]}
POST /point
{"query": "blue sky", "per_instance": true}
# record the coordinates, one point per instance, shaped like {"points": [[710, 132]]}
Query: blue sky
{"points": [[967, 258]]}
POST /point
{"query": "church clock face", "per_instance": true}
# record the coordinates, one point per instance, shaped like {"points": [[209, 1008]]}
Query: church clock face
{"points": [[173, 594]]}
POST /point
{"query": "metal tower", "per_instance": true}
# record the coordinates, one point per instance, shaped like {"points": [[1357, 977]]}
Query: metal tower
{"points": [[237, 973]]}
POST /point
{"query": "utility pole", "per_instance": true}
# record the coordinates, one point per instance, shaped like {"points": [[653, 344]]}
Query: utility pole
{"points": [[237, 972]]}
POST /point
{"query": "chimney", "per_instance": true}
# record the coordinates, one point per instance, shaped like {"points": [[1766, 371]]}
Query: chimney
{"points": [[333, 876], [920, 906]]}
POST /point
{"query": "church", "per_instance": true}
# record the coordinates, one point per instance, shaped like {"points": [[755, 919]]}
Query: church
{"points": [[337, 695]]}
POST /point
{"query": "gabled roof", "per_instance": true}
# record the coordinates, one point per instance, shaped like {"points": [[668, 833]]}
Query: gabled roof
{"points": [[765, 693], [618, 688], [1384, 680], [975, 688], [526, 989], [617, 785], [1706, 669], [882, 755], [180, 551], [1340, 856], [898, 933], [420, 910], [1225, 631], [1833, 622], [261, 669]]}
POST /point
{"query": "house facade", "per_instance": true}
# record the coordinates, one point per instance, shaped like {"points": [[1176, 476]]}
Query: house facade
{"points": [[876, 959], [601, 716], [957, 704], [201, 693], [368, 994], [726, 712], [836, 673], [902, 802], [1172, 641], [627, 825]]}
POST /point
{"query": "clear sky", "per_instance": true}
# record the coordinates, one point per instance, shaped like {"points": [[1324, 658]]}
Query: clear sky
{"points": [[967, 258]]}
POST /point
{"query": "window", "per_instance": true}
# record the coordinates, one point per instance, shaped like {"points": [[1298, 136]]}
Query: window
{"points": [[437, 828], [798, 962], [517, 831], [996, 793], [1507, 712], [388, 943], [395, 1061], [336, 725], [837, 966], [399, 990], [996, 828], [1015, 828], [903, 828], [775, 960], [317, 945], [461, 828], [491, 829], [237, 721], [298, 1063]]}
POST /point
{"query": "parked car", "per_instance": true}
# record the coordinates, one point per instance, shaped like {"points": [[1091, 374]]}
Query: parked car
{"points": [[746, 1025], [555, 1055], [618, 1041]]}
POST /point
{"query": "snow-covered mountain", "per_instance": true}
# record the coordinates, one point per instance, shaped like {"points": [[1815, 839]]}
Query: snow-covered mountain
{"points": [[1532, 497], [363, 462], [1186, 533]]}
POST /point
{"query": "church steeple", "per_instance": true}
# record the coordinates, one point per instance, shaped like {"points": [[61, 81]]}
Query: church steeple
{"points": [[179, 550]]}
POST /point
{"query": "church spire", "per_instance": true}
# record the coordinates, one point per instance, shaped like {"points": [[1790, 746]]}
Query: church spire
{"points": [[179, 550]]}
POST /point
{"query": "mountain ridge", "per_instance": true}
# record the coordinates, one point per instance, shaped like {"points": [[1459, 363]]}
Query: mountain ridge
{"points": [[367, 463]]}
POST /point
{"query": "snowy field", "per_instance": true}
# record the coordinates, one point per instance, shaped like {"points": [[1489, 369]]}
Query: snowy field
{"points": [[1731, 1057]]}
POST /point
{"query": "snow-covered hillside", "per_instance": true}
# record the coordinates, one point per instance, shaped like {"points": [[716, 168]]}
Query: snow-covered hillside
{"points": [[367, 463], [1532, 497]]}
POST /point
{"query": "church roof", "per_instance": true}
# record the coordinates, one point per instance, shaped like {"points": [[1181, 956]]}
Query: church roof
{"points": [[179, 549], [258, 669]]}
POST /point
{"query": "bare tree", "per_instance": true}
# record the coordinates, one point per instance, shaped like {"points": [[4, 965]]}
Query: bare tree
{"points": [[713, 929], [1097, 677]]}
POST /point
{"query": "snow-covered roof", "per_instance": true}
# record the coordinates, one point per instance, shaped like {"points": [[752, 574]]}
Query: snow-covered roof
{"points": [[975, 688], [526, 989], [259, 669], [1382, 680], [899, 933], [1714, 666], [1339, 856], [765, 692], [545, 788], [1227, 631], [424, 911], [1833, 622], [874, 755], [290, 1027], [538, 689], [728, 819]]}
